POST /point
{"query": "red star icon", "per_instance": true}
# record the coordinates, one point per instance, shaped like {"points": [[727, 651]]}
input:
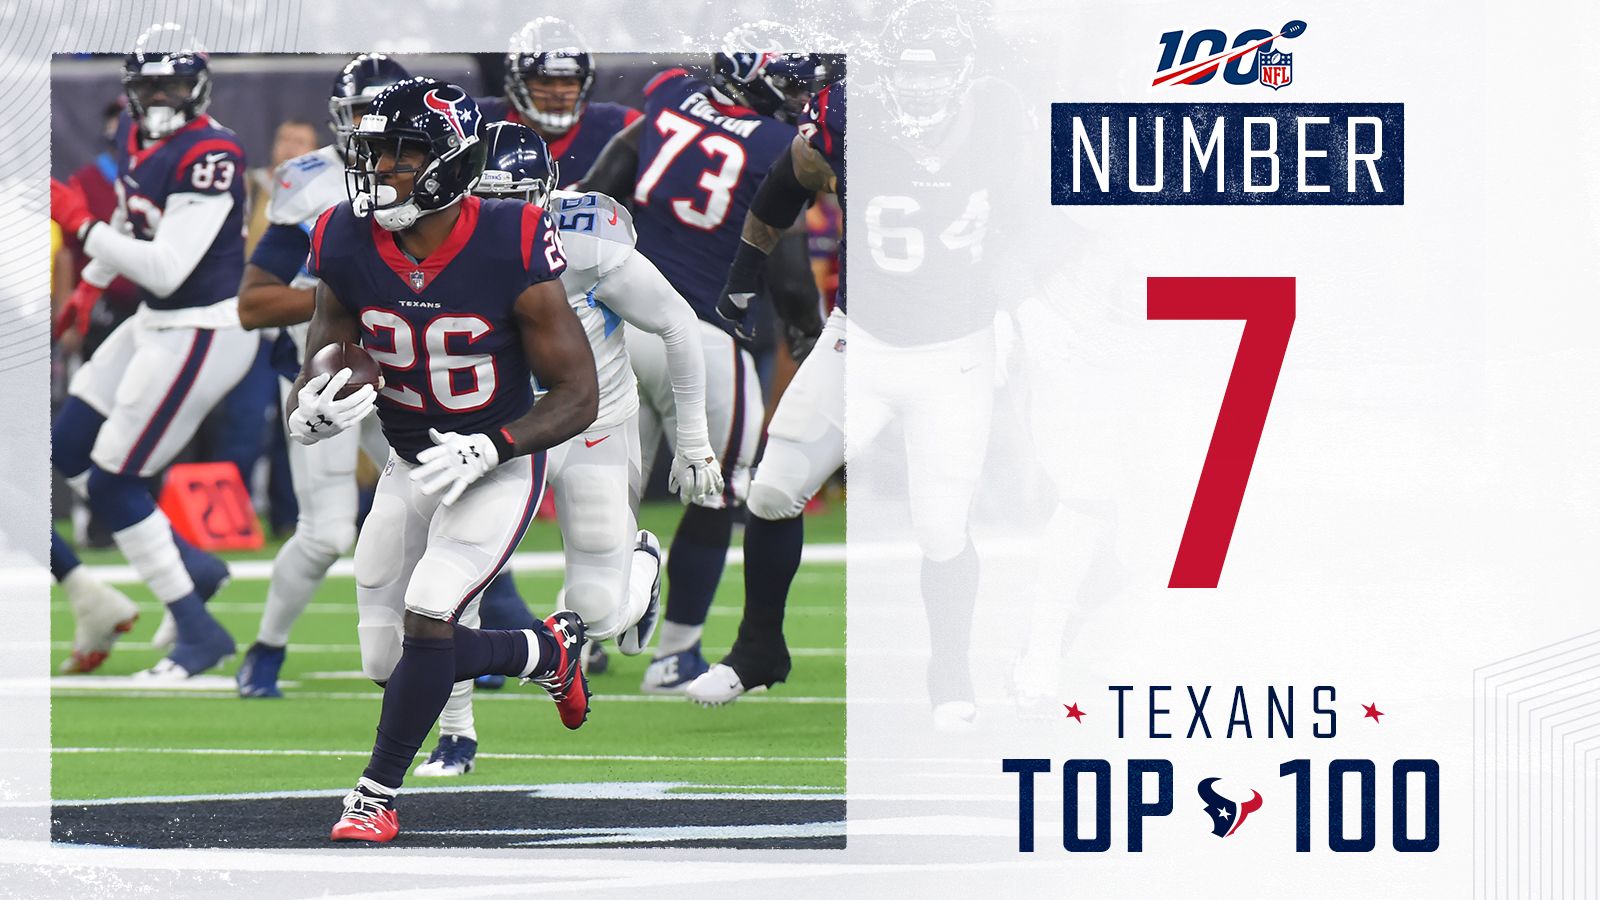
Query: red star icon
{"points": [[1372, 712], [1074, 713]]}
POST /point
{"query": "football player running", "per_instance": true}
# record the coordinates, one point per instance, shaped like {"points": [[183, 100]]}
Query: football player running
{"points": [[692, 165], [454, 297], [549, 73], [613, 573], [177, 234], [805, 439], [278, 291]]}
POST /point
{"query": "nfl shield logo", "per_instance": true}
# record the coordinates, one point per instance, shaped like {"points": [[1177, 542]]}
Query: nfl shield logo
{"points": [[416, 280], [1277, 69]]}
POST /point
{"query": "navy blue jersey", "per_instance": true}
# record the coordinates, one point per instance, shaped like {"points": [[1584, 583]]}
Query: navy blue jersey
{"points": [[575, 151], [823, 128], [929, 228], [443, 329], [700, 163], [200, 158]]}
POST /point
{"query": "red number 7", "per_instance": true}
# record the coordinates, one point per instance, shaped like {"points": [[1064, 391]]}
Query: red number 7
{"points": [[1267, 307]]}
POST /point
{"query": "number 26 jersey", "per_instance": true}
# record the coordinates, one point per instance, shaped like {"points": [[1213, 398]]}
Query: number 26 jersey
{"points": [[443, 329]]}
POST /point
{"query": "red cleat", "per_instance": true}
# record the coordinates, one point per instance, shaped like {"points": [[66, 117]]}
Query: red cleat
{"points": [[566, 683], [367, 817]]}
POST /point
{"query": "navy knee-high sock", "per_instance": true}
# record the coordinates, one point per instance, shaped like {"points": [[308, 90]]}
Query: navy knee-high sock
{"points": [[771, 557], [412, 700], [502, 607], [62, 558], [502, 652], [949, 589], [694, 565]]}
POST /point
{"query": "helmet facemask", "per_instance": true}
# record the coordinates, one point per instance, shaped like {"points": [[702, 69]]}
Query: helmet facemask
{"points": [[501, 184], [164, 103], [381, 158]]}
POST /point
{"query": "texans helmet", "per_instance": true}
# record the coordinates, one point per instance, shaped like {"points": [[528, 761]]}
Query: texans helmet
{"points": [[167, 79], [356, 84], [548, 47], [518, 166], [424, 128], [927, 58], [761, 69]]}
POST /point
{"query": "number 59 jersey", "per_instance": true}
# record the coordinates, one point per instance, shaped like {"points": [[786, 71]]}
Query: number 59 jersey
{"points": [[443, 329], [597, 234], [700, 164]]}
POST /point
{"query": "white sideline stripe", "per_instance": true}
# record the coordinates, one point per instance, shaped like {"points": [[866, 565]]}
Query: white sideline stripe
{"points": [[541, 561], [125, 688], [602, 790]]}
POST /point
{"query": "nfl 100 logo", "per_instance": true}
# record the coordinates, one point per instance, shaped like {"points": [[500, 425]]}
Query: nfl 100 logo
{"points": [[1277, 69], [1247, 58]]}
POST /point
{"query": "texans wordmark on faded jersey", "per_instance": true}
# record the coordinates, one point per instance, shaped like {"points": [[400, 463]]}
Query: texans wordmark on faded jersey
{"points": [[597, 233], [443, 329], [700, 164], [201, 158], [932, 238], [575, 151]]}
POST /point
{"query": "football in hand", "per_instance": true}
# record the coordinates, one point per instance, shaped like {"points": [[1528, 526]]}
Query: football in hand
{"points": [[363, 368]]}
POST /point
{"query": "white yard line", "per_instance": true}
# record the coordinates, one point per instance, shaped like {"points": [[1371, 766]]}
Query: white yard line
{"points": [[77, 686], [543, 561]]}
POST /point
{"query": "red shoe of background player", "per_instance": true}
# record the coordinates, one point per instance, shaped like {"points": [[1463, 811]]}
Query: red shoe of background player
{"points": [[566, 683], [368, 816]]}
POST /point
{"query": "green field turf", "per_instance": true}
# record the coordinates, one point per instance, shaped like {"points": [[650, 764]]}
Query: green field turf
{"points": [[125, 741]]}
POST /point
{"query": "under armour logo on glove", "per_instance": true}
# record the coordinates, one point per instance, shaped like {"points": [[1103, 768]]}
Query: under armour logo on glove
{"points": [[453, 463], [322, 414]]}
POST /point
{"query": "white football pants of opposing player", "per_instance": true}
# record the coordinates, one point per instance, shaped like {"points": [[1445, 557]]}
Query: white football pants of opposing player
{"points": [[326, 491], [596, 478], [734, 409], [416, 554]]}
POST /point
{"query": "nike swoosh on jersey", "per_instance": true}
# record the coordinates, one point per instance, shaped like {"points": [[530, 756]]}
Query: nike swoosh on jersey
{"points": [[589, 443], [613, 217]]}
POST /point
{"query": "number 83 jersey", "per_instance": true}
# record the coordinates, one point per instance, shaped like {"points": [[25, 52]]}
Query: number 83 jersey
{"points": [[700, 163], [444, 328]]}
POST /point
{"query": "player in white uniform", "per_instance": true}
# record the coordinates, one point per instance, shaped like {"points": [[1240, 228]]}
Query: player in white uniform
{"points": [[613, 572], [277, 291]]}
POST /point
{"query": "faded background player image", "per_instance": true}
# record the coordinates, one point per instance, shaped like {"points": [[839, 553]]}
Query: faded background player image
{"points": [[272, 531]]}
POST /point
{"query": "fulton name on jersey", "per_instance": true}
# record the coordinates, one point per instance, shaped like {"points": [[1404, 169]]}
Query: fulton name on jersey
{"points": [[701, 108]]}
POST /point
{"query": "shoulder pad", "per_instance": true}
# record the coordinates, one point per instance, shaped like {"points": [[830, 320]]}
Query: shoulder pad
{"points": [[596, 230], [592, 213], [305, 186]]}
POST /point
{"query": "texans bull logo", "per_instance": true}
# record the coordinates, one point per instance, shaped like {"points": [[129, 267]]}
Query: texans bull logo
{"points": [[451, 108], [1226, 815]]}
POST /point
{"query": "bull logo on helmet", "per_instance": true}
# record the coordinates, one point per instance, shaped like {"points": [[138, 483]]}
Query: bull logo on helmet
{"points": [[460, 119]]}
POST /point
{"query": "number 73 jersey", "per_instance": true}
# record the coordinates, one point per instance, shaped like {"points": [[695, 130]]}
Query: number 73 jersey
{"points": [[700, 163], [443, 329]]}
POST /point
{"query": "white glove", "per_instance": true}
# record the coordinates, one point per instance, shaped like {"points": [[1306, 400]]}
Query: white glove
{"points": [[320, 416], [696, 475], [457, 461]]}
